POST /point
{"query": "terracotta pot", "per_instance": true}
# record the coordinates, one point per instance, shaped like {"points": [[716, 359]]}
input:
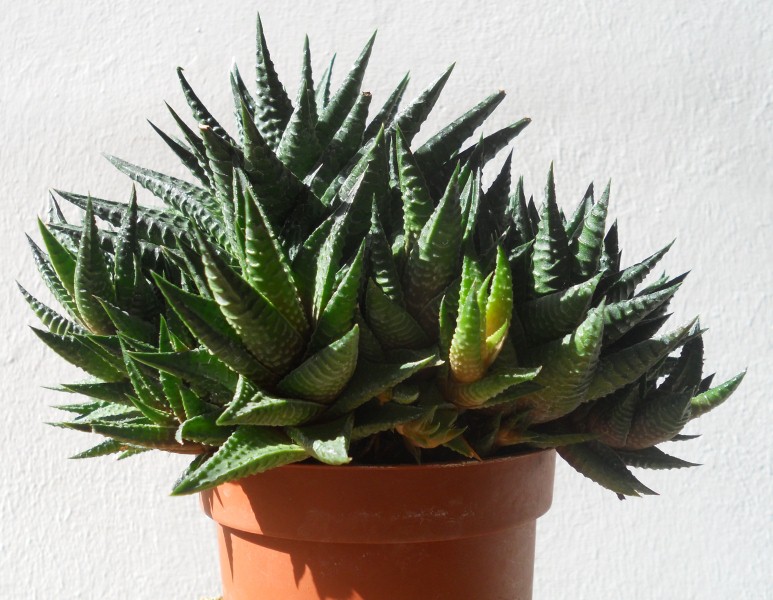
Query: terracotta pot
{"points": [[458, 531]]}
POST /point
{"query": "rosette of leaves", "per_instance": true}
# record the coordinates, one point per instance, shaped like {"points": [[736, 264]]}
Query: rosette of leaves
{"points": [[323, 288]]}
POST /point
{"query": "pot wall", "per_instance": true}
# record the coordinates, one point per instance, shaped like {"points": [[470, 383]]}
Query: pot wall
{"points": [[461, 531]]}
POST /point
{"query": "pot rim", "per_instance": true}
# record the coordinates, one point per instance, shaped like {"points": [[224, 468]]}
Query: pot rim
{"points": [[387, 504]]}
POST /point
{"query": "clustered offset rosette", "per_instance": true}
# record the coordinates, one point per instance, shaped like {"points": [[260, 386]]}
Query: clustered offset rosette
{"points": [[324, 291]]}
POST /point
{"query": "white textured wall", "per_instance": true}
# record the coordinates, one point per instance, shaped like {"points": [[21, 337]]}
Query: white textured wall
{"points": [[675, 103]]}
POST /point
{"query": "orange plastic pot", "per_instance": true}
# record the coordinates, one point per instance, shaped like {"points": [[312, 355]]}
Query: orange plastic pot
{"points": [[458, 531]]}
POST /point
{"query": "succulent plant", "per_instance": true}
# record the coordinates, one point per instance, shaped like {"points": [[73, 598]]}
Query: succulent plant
{"points": [[323, 290]]}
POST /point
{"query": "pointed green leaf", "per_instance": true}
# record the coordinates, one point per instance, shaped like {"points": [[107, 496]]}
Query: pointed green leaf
{"points": [[433, 262], [188, 158], [60, 257], [91, 278], [305, 263], [610, 257], [107, 391], [470, 200], [103, 449], [499, 304], [385, 116], [587, 246], [710, 399], [251, 406], [620, 317], [688, 368], [626, 366], [190, 201], [327, 442], [343, 147], [520, 215], [171, 385], [554, 315], [275, 187], [622, 285], [483, 151], [333, 115], [267, 267], [411, 118], [659, 417], [382, 263], [195, 144], [496, 200], [200, 112], [272, 106], [339, 314], [220, 157], [125, 249], [248, 451], [139, 434], [203, 430], [568, 366], [368, 178], [148, 395], [322, 376], [602, 465], [440, 147], [241, 96], [611, 417], [417, 203], [391, 323], [652, 458], [207, 323], [260, 327], [52, 281], [55, 322], [575, 223], [299, 147], [322, 95], [192, 404], [151, 256], [109, 412], [129, 325], [74, 350], [156, 225], [466, 352], [551, 258], [477, 393], [325, 263]]}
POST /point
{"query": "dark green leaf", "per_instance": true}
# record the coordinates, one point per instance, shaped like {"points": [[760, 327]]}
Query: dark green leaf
{"points": [[433, 262], [411, 118], [551, 258], [272, 106], [205, 321], [321, 377], [652, 458], [440, 147], [200, 112], [91, 279], [334, 114], [604, 466], [384, 116]]}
